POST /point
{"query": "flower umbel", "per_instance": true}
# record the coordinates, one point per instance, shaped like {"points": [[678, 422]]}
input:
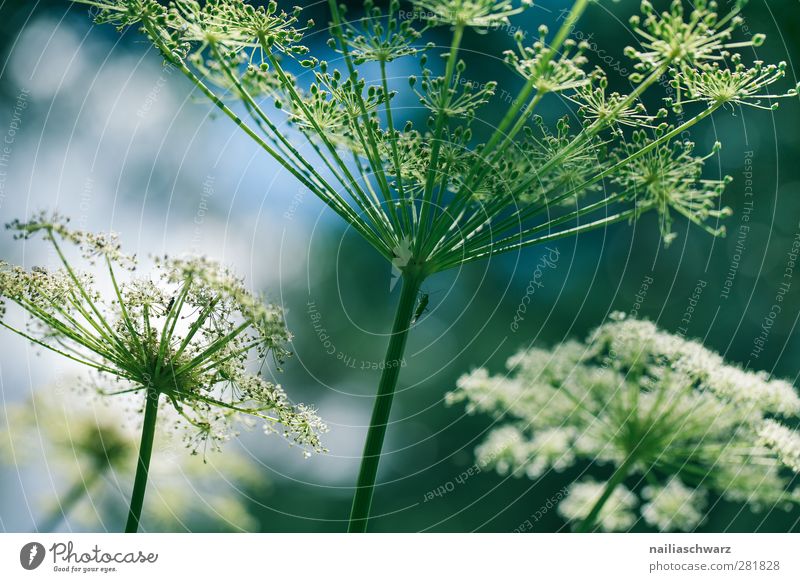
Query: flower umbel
{"points": [[740, 86], [478, 14], [549, 74], [669, 179], [191, 333], [647, 404], [380, 37], [457, 197], [687, 37]]}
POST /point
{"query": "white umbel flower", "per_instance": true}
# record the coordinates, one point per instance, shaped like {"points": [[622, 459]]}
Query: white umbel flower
{"points": [[503, 449], [673, 507], [642, 400], [784, 441], [617, 513], [188, 333]]}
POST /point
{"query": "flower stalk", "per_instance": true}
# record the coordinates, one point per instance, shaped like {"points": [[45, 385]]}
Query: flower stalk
{"points": [[89, 433], [376, 432], [143, 461], [620, 474], [69, 500]]}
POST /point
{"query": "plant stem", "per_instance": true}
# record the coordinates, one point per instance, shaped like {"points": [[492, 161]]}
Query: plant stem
{"points": [[441, 122], [143, 466], [359, 514], [69, 501], [616, 479]]}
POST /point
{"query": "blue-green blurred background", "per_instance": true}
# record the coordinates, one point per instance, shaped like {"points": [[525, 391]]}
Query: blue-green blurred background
{"points": [[111, 139]]}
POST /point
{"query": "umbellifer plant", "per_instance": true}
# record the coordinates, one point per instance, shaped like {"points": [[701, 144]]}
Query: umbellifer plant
{"points": [[437, 197], [665, 415], [186, 336]]}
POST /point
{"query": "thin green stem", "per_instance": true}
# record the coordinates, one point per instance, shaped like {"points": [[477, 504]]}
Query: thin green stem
{"points": [[470, 244], [103, 326], [70, 328], [45, 345], [195, 327], [348, 181], [336, 30], [491, 250], [362, 502], [518, 217], [124, 310], [500, 132], [393, 138], [213, 347], [253, 411], [436, 144], [143, 464], [591, 131], [574, 15], [67, 503], [616, 480], [277, 137]]}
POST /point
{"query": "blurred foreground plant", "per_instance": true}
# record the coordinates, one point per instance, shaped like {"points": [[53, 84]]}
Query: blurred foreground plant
{"points": [[434, 198], [89, 444], [664, 413], [188, 333]]}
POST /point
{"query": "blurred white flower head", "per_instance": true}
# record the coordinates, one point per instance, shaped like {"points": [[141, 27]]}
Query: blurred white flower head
{"points": [[652, 408], [89, 445], [617, 513]]}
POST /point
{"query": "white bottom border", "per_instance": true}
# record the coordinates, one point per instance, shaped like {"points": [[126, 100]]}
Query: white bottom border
{"points": [[401, 557]]}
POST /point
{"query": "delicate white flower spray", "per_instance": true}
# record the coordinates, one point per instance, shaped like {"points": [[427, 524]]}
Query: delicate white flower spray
{"points": [[187, 337], [439, 196], [89, 446], [652, 407], [673, 507], [617, 513]]}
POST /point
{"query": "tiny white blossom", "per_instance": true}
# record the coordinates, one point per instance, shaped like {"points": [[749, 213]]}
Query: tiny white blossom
{"points": [[674, 506], [784, 441], [478, 14], [617, 513]]}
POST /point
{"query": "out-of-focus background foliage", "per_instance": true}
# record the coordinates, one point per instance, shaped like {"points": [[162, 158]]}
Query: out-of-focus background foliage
{"points": [[104, 134]]}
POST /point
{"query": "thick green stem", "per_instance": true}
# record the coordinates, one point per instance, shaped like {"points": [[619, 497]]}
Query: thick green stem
{"points": [[143, 465], [362, 501], [67, 503], [616, 479]]}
